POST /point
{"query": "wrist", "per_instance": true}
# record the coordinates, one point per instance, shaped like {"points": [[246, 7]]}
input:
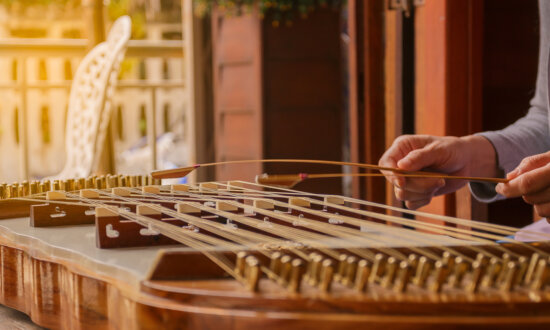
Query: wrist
{"points": [[482, 158]]}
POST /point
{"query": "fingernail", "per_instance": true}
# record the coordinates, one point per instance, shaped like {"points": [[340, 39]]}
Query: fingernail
{"points": [[499, 188]]}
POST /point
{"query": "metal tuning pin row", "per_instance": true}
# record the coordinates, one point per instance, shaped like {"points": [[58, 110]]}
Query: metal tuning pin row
{"points": [[247, 270], [28, 188], [496, 273], [502, 273], [286, 271], [482, 273]]}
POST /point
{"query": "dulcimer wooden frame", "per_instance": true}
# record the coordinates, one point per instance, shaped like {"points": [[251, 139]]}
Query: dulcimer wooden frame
{"points": [[323, 281]]}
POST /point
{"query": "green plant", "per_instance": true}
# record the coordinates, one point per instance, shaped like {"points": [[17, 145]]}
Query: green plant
{"points": [[278, 10]]}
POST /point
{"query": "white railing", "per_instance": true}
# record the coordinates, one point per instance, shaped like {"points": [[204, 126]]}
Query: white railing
{"points": [[21, 152]]}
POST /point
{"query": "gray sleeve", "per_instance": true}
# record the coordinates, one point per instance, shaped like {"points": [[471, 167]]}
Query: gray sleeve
{"points": [[529, 135]]}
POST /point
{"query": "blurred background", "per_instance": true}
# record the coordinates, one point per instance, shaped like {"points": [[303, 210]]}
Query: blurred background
{"points": [[206, 81], [42, 43]]}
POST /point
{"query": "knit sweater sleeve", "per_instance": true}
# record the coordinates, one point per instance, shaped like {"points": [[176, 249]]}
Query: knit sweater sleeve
{"points": [[530, 134]]}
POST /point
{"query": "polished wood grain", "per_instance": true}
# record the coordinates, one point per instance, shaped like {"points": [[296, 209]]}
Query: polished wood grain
{"points": [[61, 279], [62, 295]]}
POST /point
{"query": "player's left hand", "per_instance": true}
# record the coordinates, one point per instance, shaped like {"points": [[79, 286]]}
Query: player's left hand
{"points": [[531, 180]]}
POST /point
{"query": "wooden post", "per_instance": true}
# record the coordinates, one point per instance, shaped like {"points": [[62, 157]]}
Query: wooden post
{"points": [[94, 15], [448, 80], [367, 95], [198, 69], [393, 65], [95, 21]]}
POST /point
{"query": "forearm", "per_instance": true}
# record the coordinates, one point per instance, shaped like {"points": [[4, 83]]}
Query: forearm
{"points": [[483, 161]]}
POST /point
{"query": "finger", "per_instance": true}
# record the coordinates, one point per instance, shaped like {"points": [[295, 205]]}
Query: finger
{"points": [[388, 160], [418, 159], [540, 197], [417, 204], [423, 185], [400, 147], [543, 209], [529, 164], [404, 195], [526, 183]]}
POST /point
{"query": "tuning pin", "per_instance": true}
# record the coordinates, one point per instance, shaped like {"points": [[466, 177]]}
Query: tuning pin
{"points": [[139, 181], [509, 278], [412, 259], [522, 269], [309, 265], [362, 277], [493, 269], [145, 180], [110, 181], [34, 186], [15, 190], [440, 274], [286, 268], [131, 180], [56, 185], [502, 273], [89, 183], [81, 182], [377, 268], [460, 268], [252, 273], [315, 273], [540, 276], [123, 181], [349, 272], [275, 265], [101, 182], [475, 277], [10, 191], [341, 267], [42, 187], [2, 191], [389, 273], [533, 262], [327, 272], [448, 260], [296, 275], [240, 263], [70, 185], [403, 277], [25, 188], [47, 185], [483, 261]]}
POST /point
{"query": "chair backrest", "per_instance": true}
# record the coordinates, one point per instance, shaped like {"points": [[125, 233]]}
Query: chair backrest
{"points": [[89, 107]]}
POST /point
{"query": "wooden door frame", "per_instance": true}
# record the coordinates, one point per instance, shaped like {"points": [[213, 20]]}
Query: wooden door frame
{"points": [[448, 80], [448, 97], [367, 92]]}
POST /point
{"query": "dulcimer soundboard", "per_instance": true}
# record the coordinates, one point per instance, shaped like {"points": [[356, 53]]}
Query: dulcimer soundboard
{"points": [[129, 253]]}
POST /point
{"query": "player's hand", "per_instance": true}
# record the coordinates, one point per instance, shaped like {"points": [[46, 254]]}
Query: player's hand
{"points": [[464, 156], [531, 180]]}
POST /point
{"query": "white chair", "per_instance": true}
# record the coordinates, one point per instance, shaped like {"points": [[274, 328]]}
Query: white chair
{"points": [[89, 106]]}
